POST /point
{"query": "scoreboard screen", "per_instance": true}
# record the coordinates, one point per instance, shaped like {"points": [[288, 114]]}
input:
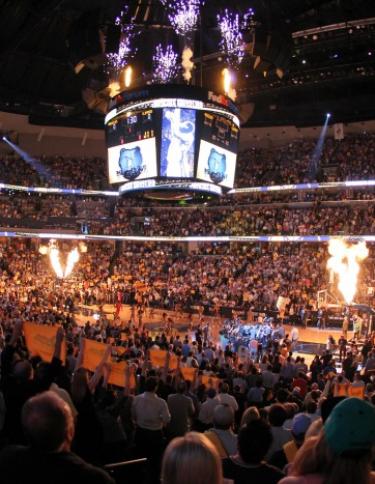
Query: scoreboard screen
{"points": [[172, 140]]}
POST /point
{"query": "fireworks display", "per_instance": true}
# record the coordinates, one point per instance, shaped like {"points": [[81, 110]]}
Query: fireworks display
{"points": [[231, 36], [183, 14], [165, 64], [116, 61]]}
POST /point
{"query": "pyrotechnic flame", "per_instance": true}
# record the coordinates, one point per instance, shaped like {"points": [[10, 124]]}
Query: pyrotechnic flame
{"points": [[54, 257], [187, 64], [43, 249], [344, 262], [227, 81], [82, 247], [128, 76], [114, 89], [73, 257]]}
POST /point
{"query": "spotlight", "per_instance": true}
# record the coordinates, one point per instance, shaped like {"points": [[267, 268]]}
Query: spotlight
{"points": [[4, 138], [328, 115], [303, 61]]}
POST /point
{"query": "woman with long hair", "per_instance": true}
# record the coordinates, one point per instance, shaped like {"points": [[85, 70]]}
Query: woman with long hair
{"points": [[342, 452]]}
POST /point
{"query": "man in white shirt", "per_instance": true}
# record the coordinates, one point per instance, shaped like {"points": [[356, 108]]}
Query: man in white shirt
{"points": [[206, 413], [225, 399], [150, 414]]}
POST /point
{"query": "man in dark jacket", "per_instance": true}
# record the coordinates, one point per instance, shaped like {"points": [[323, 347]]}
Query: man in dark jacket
{"points": [[49, 427]]}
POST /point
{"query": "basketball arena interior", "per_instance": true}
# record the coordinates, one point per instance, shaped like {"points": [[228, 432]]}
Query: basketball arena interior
{"points": [[187, 230]]}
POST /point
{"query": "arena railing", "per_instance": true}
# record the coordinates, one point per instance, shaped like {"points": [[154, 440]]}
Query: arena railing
{"points": [[340, 185], [195, 238]]}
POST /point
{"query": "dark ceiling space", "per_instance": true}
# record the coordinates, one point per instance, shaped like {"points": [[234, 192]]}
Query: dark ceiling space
{"points": [[300, 74]]}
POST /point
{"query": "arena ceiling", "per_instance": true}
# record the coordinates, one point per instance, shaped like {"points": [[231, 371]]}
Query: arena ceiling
{"points": [[313, 56]]}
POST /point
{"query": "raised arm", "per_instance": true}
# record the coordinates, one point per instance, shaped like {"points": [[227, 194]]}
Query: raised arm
{"points": [[94, 380]]}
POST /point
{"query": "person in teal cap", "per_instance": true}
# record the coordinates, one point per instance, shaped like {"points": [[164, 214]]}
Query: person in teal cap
{"points": [[342, 452]]}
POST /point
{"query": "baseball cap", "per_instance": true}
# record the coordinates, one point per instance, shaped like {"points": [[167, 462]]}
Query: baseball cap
{"points": [[351, 426], [300, 424]]}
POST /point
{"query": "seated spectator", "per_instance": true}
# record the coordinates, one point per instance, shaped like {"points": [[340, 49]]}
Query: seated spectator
{"points": [[247, 465], [342, 452], [49, 427], [222, 435], [191, 460]]}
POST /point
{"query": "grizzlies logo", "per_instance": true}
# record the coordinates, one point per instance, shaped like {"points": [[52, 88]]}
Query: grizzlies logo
{"points": [[130, 163], [217, 165]]}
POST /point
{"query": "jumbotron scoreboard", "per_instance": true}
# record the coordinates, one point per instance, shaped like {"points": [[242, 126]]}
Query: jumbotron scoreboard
{"points": [[172, 142]]}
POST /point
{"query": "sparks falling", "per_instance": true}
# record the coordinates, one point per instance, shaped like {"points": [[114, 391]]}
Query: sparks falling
{"points": [[183, 14], [344, 262], [165, 64], [231, 37], [117, 61]]}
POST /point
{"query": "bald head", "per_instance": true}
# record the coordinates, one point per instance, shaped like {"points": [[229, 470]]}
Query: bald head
{"points": [[48, 422]]}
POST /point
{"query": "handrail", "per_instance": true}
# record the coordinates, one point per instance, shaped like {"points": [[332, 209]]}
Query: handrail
{"points": [[125, 463]]}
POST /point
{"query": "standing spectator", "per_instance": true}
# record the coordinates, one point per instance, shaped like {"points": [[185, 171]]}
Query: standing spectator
{"points": [[277, 416], [181, 409], [225, 399], [342, 347], [255, 394], [150, 414], [206, 412], [222, 435]]}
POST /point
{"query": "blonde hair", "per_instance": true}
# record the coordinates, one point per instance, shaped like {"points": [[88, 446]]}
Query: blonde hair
{"points": [[250, 414], [315, 457], [191, 459]]}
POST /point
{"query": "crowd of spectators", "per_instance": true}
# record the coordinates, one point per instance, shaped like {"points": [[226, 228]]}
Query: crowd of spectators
{"points": [[219, 278], [267, 220], [254, 418], [348, 159], [116, 218]]}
